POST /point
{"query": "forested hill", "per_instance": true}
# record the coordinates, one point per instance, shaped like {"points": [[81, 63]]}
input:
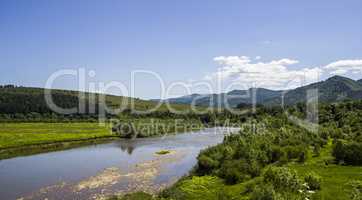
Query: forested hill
{"points": [[30, 101], [233, 98], [26, 100], [334, 89]]}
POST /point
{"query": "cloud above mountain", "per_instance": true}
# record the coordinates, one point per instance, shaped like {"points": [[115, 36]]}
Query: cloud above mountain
{"points": [[343, 67], [277, 74], [273, 74]]}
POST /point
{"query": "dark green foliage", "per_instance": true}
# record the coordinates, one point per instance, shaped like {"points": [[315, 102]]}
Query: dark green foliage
{"points": [[278, 183], [282, 179], [316, 150], [296, 152], [29, 104], [234, 171], [348, 152], [356, 190], [265, 192], [207, 163], [242, 156], [273, 145], [313, 181]]}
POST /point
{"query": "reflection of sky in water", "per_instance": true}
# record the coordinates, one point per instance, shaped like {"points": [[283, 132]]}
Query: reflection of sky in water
{"points": [[22, 175]]}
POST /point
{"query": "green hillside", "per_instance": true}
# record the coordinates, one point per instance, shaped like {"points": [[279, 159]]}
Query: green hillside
{"points": [[336, 88], [19, 101]]}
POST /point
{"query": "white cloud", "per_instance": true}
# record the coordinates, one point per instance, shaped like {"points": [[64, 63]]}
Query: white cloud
{"points": [[342, 67], [257, 57], [274, 74]]}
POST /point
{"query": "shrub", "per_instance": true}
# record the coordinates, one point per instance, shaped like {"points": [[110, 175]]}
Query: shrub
{"points": [[313, 181], [303, 155], [356, 193], [277, 154], [316, 150], [265, 192], [338, 151], [234, 171], [282, 178], [349, 153], [206, 164], [298, 152]]}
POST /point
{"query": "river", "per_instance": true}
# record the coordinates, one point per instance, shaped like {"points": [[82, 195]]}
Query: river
{"points": [[98, 171]]}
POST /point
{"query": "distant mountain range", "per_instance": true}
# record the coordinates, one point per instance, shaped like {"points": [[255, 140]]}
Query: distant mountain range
{"points": [[334, 89], [27, 100]]}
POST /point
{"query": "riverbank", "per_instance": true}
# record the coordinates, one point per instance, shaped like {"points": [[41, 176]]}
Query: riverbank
{"points": [[54, 146], [20, 139], [116, 167], [15, 135]]}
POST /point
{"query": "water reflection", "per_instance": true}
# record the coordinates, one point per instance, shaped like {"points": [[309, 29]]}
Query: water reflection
{"points": [[25, 175], [127, 146]]}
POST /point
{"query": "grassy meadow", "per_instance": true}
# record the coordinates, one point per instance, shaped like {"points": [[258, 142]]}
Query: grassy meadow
{"points": [[23, 134], [336, 179], [23, 138], [335, 182]]}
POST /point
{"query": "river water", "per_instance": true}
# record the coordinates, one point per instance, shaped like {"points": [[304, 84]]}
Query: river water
{"points": [[98, 171]]}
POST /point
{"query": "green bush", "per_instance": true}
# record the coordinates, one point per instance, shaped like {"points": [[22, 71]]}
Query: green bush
{"points": [[265, 192], [316, 150], [277, 154], [296, 152], [303, 155], [356, 193], [348, 152], [313, 181], [206, 164], [282, 178], [234, 171]]}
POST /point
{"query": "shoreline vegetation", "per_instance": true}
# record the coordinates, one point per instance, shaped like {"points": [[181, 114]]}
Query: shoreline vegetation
{"points": [[279, 160]]}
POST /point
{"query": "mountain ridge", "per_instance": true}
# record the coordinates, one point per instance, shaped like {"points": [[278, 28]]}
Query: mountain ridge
{"points": [[335, 88]]}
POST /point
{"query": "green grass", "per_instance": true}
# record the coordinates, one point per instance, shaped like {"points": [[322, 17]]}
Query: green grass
{"points": [[335, 178], [334, 186], [23, 134], [17, 139]]}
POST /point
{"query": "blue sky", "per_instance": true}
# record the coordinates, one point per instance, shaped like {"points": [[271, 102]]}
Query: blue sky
{"points": [[177, 39]]}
